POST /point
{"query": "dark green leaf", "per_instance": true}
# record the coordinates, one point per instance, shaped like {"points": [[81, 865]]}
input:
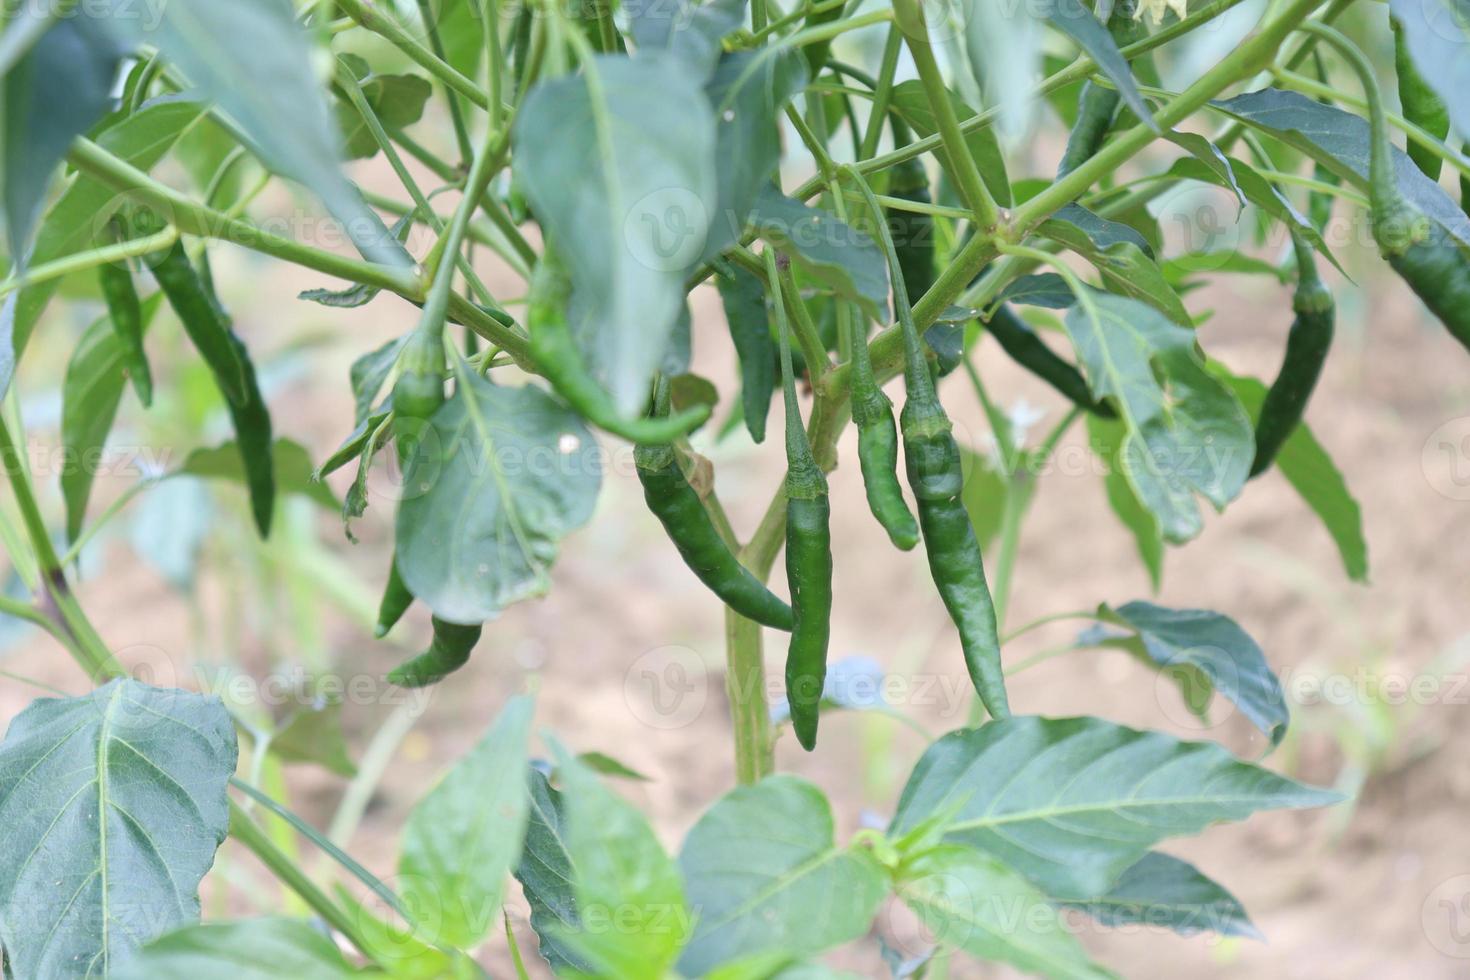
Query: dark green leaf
{"points": [[462, 839], [685, 29], [1072, 803], [1120, 254], [1077, 22], [827, 249], [499, 477], [1047, 290], [1106, 437], [113, 805], [767, 875], [397, 100], [744, 298], [246, 949], [1164, 891], [623, 184], [1339, 141], [545, 873], [289, 460], [1215, 645], [314, 734], [369, 372], [912, 105]]}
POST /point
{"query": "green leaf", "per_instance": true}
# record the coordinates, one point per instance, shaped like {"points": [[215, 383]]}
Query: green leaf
{"points": [[1161, 890], [744, 299], [629, 897], [827, 249], [1047, 290], [1106, 436], [984, 494], [545, 873], [1005, 48], [911, 103], [290, 462], [1077, 22], [968, 900], [113, 805], [748, 92], [397, 100], [462, 839], [1120, 254], [685, 29], [369, 372], [79, 215], [90, 394], [499, 477], [314, 734], [404, 948], [1311, 472], [1072, 803], [462, 33], [766, 874], [618, 165], [55, 93], [1211, 643], [252, 58], [1339, 141], [605, 765], [1187, 433], [1436, 32], [246, 949]]}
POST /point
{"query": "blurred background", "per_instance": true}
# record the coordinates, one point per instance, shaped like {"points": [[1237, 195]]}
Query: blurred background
{"points": [[626, 651]]}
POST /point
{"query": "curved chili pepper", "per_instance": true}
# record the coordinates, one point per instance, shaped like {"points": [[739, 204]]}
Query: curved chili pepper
{"points": [[1097, 105], [933, 462], [679, 509], [1020, 342], [208, 328], [555, 352], [126, 314], [449, 651], [872, 413], [808, 549], [1421, 106], [1306, 351], [395, 602]]}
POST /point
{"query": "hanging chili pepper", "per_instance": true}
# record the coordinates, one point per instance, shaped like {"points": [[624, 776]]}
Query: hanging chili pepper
{"points": [[679, 509], [1421, 106], [555, 352], [1306, 351], [935, 475], [449, 651], [872, 413], [395, 602], [126, 314], [808, 547], [1097, 105], [208, 327], [1020, 342], [912, 231], [419, 390]]}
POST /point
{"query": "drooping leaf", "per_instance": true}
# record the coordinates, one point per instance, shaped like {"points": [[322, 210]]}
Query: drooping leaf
{"points": [[461, 841], [1106, 437], [828, 250], [1121, 255], [1339, 141], [968, 900], [1311, 472], [744, 299], [1208, 642], [252, 58], [1161, 890], [56, 92], [90, 394], [630, 900], [313, 733], [765, 871], [621, 176], [748, 91], [113, 805], [1077, 22], [290, 463], [911, 103], [545, 873], [1072, 803], [499, 477], [244, 949], [1187, 433], [369, 372]]}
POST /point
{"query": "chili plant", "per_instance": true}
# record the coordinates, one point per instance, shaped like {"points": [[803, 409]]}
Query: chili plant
{"points": [[616, 158]]}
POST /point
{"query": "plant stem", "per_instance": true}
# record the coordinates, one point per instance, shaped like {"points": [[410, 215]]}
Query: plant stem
{"points": [[81, 261], [456, 112], [745, 686], [386, 26]]}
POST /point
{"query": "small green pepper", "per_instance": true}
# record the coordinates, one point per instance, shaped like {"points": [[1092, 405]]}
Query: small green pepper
{"points": [[808, 548], [932, 459], [1306, 351], [126, 313], [449, 651], [419, 390], [1020, 342], [555, 352], [395, 602], [1421, 106], [912, 231], [1097, 105]]}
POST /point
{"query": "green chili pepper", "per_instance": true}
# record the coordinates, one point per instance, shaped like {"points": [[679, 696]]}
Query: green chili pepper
{"points": [[1020, 342], [208, 327], [1423, 254], [126, 314], [1421, 106], [933, 462], [872, 413], [808, 548], [449, 651], [555, 352], [419, 390], [679, 509], [1306, 352], [912, 232], [395, 602], [1097, 105]]}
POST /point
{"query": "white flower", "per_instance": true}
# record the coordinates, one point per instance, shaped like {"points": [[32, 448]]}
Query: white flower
{"points": [[1157, 8]]}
